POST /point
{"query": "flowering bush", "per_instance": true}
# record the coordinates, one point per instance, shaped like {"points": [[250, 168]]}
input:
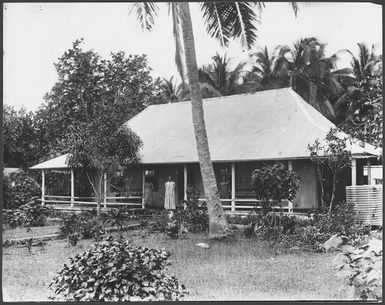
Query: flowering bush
{"points": [[117, 271]]}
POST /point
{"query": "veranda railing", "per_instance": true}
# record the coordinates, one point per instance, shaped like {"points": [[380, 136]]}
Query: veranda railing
{"points": [[229, 205]]}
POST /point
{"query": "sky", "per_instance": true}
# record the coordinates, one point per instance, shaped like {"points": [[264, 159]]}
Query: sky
{"points": [[35, 35]]}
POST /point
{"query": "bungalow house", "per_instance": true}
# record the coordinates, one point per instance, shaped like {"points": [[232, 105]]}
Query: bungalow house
{"points": [[244, 132]]}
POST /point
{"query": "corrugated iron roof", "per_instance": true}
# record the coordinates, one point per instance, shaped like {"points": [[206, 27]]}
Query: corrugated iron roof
{"points": [[272, 124]]}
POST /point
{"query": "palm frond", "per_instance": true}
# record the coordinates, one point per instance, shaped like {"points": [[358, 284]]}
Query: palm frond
{"points": [[209, 91], [179, 50], [225, 20], [295, 7], [243, 26], [145, 13], [214, 18]]}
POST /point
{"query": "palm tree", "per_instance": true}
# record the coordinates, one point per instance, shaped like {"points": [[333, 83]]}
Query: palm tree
{"points": [[312, 74], [224, 20], [173, 93], [264, 68], [367, 64], [364, 63], [226, 81], [170, 91]]}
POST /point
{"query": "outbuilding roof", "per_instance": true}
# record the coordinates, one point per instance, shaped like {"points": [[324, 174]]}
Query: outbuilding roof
{"points": [[272, 124], [55, 163]]}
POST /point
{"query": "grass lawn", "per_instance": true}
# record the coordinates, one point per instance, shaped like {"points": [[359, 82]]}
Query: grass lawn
{"points": [[35, 231], [238, 270]]}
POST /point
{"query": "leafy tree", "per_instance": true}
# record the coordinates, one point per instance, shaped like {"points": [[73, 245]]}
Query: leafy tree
{"points": [[101, 146], [224, 20], [274, 182], [19, 136], [87, 83], [332, 154], [364, 114]]}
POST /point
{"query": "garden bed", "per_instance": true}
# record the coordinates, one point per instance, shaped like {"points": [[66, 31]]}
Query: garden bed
{"points": [[234, 270]]}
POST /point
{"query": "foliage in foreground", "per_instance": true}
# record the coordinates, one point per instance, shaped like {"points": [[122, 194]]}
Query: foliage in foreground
{"points": [[117, 271], [18, 189], [362, 269]]}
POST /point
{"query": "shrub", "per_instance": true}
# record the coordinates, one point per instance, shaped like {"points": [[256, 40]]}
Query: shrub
{"points": [[85, 225], [194, 218], [14, 218], [342, 220], [117, 271], [27, 215], [160, 221], [311, 232], [91, 228], [35, 212], [73, 238], [274, 182], [116, 218], [18, 189], [237, 219], [362, 269], [70, 223]]}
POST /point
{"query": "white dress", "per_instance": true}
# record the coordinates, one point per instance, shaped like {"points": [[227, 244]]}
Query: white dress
{"points": [[169, 195]]}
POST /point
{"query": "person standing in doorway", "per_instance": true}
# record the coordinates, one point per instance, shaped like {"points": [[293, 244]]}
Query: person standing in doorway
{"points": [[148, 189], [224, 188], [169, 195], [190, 191]]}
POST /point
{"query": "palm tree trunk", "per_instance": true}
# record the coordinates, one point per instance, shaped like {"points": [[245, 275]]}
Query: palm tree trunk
{"points": [[217, 219], [313, 95]]}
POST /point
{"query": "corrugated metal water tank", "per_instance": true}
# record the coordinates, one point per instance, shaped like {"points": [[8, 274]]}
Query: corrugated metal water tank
{"points": [[367, 200]]}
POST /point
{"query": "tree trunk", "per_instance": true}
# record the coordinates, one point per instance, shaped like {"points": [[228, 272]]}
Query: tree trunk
{"points": [[321, 184], [313, 95], [99, 192], [291, 81], [217, 219], [333, 191]]}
